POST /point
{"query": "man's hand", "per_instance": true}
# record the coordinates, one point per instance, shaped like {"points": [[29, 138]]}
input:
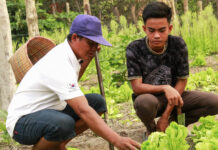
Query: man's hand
{"points": [[125, 143], [162, 124], [173, 96], [89, 115]]}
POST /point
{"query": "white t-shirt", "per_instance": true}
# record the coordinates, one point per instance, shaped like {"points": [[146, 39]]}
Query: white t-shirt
{"points": [[53, 79]]}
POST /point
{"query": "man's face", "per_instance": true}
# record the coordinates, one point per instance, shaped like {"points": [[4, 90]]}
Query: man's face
{"points": [[157, 30], [85, 48]]}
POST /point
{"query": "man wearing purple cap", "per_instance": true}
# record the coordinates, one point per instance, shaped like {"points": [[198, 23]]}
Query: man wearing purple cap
{"points": [[48, 108]]}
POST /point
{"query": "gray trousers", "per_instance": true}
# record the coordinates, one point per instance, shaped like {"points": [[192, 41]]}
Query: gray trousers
{"points": [[196, 104]]}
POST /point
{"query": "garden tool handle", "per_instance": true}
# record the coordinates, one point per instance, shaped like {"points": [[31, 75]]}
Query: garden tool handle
{"points": [[179, 110]]}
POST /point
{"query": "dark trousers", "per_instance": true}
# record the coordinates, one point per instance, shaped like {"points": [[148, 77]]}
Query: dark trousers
{"points": [[51, 124], [196, 104]]}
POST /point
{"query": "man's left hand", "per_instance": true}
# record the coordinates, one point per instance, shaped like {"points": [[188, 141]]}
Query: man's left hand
{"points": [[162, 124]]}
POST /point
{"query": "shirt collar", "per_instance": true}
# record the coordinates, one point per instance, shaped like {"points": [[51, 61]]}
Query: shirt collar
{"points": [[152, 51], [72, 57]]}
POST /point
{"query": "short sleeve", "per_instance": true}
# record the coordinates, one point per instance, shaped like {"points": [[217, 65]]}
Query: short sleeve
{"points": [[182, 64], [133, 65]]}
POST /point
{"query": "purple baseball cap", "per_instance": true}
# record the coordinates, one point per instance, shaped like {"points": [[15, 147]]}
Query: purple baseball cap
{"points": [[89, 27]]}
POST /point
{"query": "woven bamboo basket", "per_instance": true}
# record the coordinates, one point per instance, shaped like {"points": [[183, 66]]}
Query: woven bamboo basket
{"points": [[28, 54]]}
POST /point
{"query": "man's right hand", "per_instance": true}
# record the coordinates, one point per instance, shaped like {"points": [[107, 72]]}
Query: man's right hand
{"points": [[89, 115], [173, 96], [125, 143]]}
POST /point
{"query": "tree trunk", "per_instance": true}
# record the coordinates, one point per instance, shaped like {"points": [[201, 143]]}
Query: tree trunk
{"points": [[173, 8], [207, 2], [185, 3], [7, 80], [68, 10], [140, 11], [78, 6], [199, 3], [86, 6], [53, 6], [117, 13], [32, 18], [133, 13], [216, 8], [165, 1]]}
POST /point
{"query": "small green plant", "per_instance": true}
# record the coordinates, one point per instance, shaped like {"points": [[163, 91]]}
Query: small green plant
{"points": [[206, 134], [199, 61], [172, 139], [70, 148], [4, 136], [204, 137], [205, 80]]}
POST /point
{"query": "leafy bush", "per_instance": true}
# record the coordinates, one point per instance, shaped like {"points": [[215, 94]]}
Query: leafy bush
{"points": [[17, 15], [70, 148], [46, 21], [206, 80], [199, 61], [172, 139], [4, 136], [204, 137], [206, 134], [200, 32]]}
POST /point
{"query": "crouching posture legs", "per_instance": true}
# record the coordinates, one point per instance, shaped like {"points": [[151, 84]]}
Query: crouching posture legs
{"points": [[196, 105], [51, 129]]}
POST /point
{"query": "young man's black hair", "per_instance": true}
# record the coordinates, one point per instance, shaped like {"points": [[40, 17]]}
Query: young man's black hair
{"points": [[157, 10], [69, 37]]}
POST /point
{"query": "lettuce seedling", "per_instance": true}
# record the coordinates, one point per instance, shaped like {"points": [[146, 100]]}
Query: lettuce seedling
{"points": [[172, 139]]}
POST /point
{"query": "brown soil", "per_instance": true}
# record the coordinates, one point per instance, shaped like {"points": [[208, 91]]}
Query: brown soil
{"points": [[129, 125]]}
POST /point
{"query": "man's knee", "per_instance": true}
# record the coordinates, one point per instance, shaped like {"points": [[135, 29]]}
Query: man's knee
{"points": [[51, 124], [63, 129], [97, 102], [146, 104], [206, 100], [212, 103]]}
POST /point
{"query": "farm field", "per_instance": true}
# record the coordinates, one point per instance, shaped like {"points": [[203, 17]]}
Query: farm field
{"points": [[125, 123], [201, 37]]}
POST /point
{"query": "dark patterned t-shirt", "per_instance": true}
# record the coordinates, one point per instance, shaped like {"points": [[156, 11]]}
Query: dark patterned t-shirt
{"points": [[158, 69]]}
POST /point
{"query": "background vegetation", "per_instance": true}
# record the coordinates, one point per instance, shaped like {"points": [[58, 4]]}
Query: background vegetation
{"points": [[198, 29]]}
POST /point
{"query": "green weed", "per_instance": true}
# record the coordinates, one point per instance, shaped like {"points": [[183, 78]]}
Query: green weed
{"points": [[199, 61], [4, 136], [206, 80]]}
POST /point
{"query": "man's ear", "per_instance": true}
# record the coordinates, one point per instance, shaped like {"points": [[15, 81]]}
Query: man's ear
{"points": [[74, 37], [144, 28], [170, 27]]}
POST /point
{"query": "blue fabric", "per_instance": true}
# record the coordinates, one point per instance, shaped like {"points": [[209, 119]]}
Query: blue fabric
{"points": [[89, 27], [51, 124]]}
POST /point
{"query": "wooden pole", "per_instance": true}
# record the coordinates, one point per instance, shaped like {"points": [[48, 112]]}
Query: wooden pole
{"points": [[87, 10]]}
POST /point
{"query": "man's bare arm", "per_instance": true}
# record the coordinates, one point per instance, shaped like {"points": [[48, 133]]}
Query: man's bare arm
{"points": [[142, 88], [180, 85], [96, 123], [172, 94]]}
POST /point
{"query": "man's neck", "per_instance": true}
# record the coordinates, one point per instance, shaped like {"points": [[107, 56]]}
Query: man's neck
{"points": [[158, 51]]}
